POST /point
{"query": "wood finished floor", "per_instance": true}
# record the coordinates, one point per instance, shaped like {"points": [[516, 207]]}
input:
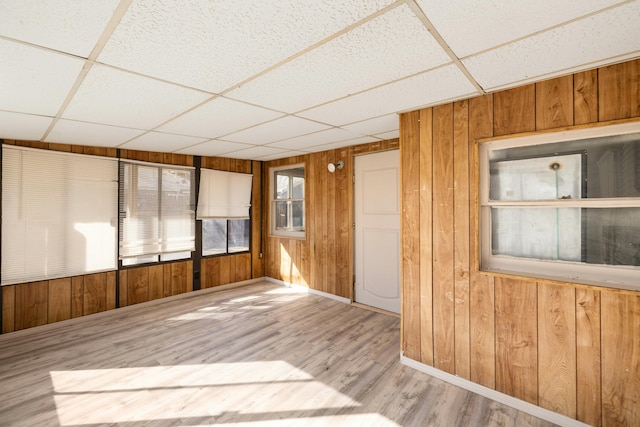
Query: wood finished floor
{"points": [[259, 355]]}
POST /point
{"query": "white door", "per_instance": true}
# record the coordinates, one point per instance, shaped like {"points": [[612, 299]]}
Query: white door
{"points": [[377, 231]]}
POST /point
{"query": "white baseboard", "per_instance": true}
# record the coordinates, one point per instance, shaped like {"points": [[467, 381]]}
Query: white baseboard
{"points": [[307, 290], [520, 405]]}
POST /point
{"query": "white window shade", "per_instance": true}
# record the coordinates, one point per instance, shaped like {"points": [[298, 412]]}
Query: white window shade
{"points": [[224, 195], [59, 214]]}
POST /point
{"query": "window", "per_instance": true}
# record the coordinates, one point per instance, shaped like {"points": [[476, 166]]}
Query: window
{"points": [[224, 201], [563, 205], [58, 214], [287, 202], [157, 217]]}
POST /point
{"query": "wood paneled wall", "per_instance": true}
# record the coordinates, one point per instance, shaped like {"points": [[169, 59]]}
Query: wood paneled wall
{"points": [[34, 304], [569, 348], [323, 260]]}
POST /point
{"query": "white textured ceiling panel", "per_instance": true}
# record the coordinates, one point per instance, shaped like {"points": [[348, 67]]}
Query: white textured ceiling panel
{"points": [[561, 50], [219, 117], [213, 148], [374, 126], [216, 44], [388, 135], [164, 142], [114, 97], [471, 26], [281, 155], [33, 80], [397, 46], [341, 144], [72, 26], [433, 87], [317, 138], [80, 133], [257, 152], [276, 130], [23, 126]]}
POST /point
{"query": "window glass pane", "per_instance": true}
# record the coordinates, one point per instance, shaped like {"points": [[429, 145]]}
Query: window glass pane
{"points": [[214, 236], [612, 236], [239, 235], [297, 215], [298, 187], [282, 215], [177, 213], [282, 185]]}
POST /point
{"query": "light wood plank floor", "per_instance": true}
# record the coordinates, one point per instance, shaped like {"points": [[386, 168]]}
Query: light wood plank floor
{"points": [[258, 355]]}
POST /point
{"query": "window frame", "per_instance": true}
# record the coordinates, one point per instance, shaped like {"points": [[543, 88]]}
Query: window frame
{"points": [[613, 276], [227, 237], [289, 232]]}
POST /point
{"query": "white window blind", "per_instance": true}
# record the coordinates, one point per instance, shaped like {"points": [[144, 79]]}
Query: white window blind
{"points": [[224, 195], [156, 210], [58, 214]]}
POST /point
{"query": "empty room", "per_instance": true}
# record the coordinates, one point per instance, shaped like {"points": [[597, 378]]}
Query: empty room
{"points": [[320, 213]]}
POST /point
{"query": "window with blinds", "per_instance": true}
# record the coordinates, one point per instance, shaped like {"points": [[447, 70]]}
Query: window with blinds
{"points": [[157, 216], [59, 214]]}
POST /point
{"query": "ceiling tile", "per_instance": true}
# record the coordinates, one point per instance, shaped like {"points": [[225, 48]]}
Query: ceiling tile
{"points": [[118, 98], [276, 130], [164, 142], [470, 26], [219, 117], [23, 126], [281, 155], [342, 144], [312, 139], [562, 50], [214, 45], [214, 148], [389, 47], [67, 26], [433, 87], [33, 80], [256, 152], [374, 126], [389, 135], [81, 133]]}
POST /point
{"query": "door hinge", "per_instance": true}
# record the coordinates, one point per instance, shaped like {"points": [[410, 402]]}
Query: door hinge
{"points": [[353, 178]]}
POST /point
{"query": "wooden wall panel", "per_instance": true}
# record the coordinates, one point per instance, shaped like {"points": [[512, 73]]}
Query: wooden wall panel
{"points": [[514, 110], [59, 301], [619, 91], [77, 296], [138, 285], [443, 244], [554, 103], [426, 236], [210, 272], [557, 348], [410, 230], [156, 282], [481, 287], [620, 359], [585, 97], [588, 366], [31, 304], [8, 309], [124, 288], [95, 293], [342, 224], [257, 235], [461, 238], [516, 338]]}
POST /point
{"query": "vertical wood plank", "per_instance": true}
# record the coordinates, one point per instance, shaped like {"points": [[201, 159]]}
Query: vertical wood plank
{"points": [[138, 285], [481, 287], [426, 236], [77, 296], [557, 348], [95, 293], [257, 259], [8, 309], [619, 91], [516, 339], [330, 214], [342, 218], [210, 272], [514, 110], [620, 358], [589, 401], [31, 304], [156, 282], [166, 280], [124, 288], [554, 103], [585, 97], [59, 304], [443, 246], [410, 230], [225, 270], [461, 237], [180, 277], [111, 290]]}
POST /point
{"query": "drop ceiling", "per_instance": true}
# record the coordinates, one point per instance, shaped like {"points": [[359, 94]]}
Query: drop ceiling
{"points": [[267, 79]]}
